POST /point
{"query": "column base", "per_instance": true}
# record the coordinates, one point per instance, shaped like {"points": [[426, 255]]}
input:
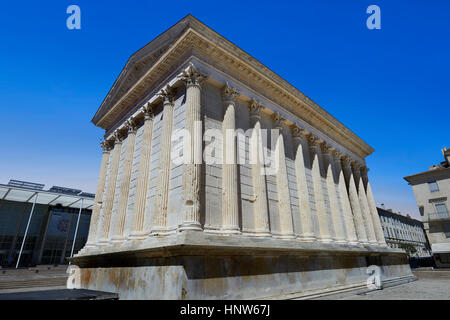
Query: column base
{"points": [[284, 236], [138, 235], [190, 225], [325, 239], [307, 237], [162, 231], [257, 233], [118, 239]]}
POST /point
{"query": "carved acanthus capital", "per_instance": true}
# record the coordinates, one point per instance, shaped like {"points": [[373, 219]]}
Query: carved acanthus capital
{"points": [[255, 108], [325, 148], [364, 171], [229, 94], [192, 77], [106, 145], [346, 161], [357, 165], [299, 132], [314, 141], [148, 111], [336, 154], [118, 136], [131, 125], [167, 94], [278, 120]]}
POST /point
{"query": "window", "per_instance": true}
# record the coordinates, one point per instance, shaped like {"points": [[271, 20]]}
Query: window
{"points": [[433, 186]]}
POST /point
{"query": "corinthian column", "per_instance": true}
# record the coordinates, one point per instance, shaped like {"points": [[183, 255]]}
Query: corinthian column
{"points": [[284, 203], [112, 180], [316, 166], [302, 157], [99, 195], [332, 195], [230, 209], [162, 191], [345, 201], [260, 206], [373, 208], [370, 231], [124, 190], [354, 201], [138, 231], [193, 156]]}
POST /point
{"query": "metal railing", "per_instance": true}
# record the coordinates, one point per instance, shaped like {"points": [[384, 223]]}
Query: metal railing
{"points": [[438, 216]]}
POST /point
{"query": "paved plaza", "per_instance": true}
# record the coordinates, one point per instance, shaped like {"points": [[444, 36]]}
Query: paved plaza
{"points": [[431, 285]]}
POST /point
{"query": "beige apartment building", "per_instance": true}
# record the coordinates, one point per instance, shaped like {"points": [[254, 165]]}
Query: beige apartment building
{"points": [[432, 191]]}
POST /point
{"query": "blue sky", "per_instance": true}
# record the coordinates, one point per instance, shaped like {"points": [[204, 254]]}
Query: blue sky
{"points": [[389, 86]]}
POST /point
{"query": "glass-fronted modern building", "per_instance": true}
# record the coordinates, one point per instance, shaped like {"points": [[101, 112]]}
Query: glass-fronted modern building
{"points": [[52, 222]]}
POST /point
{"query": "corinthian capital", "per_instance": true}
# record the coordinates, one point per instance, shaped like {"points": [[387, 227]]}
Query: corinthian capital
{"points": [[131, 125], [278, 119], [229, 94], [148, 110], [118, 136], [298, 132], [167, 94], [255, 108], [325, 148], [192, 77], [106, 145]]}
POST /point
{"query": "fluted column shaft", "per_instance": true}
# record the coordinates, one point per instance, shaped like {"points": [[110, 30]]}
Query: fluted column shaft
{"points": [[338, 223], [138, 231], [373, 209], [350, 227], [316, 166], [370, 231], [284, 203], [193, 158], [260, 205], [99, 195], [230, 208], [302, 157], [354, 202], [110, 192], [162, 189], [124, 190]]}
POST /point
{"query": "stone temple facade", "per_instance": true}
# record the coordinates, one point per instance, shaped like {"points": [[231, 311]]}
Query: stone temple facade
{"points": [[223, 223]]}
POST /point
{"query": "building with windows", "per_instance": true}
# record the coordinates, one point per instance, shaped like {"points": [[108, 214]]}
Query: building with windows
{"points": [[40, 226], [220, 180], [432, 192], [405, 233]]}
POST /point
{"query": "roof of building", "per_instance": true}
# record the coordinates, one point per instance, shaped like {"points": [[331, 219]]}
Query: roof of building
{"points": [[189, 37], [443, 168], [405, 219], [28, 192]]}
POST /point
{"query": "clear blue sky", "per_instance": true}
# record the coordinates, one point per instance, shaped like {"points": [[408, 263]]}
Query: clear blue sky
{"points": [[390, 86]]}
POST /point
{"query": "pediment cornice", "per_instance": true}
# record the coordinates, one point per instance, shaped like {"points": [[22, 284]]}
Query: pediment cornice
{"points": [[157, 60]]}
